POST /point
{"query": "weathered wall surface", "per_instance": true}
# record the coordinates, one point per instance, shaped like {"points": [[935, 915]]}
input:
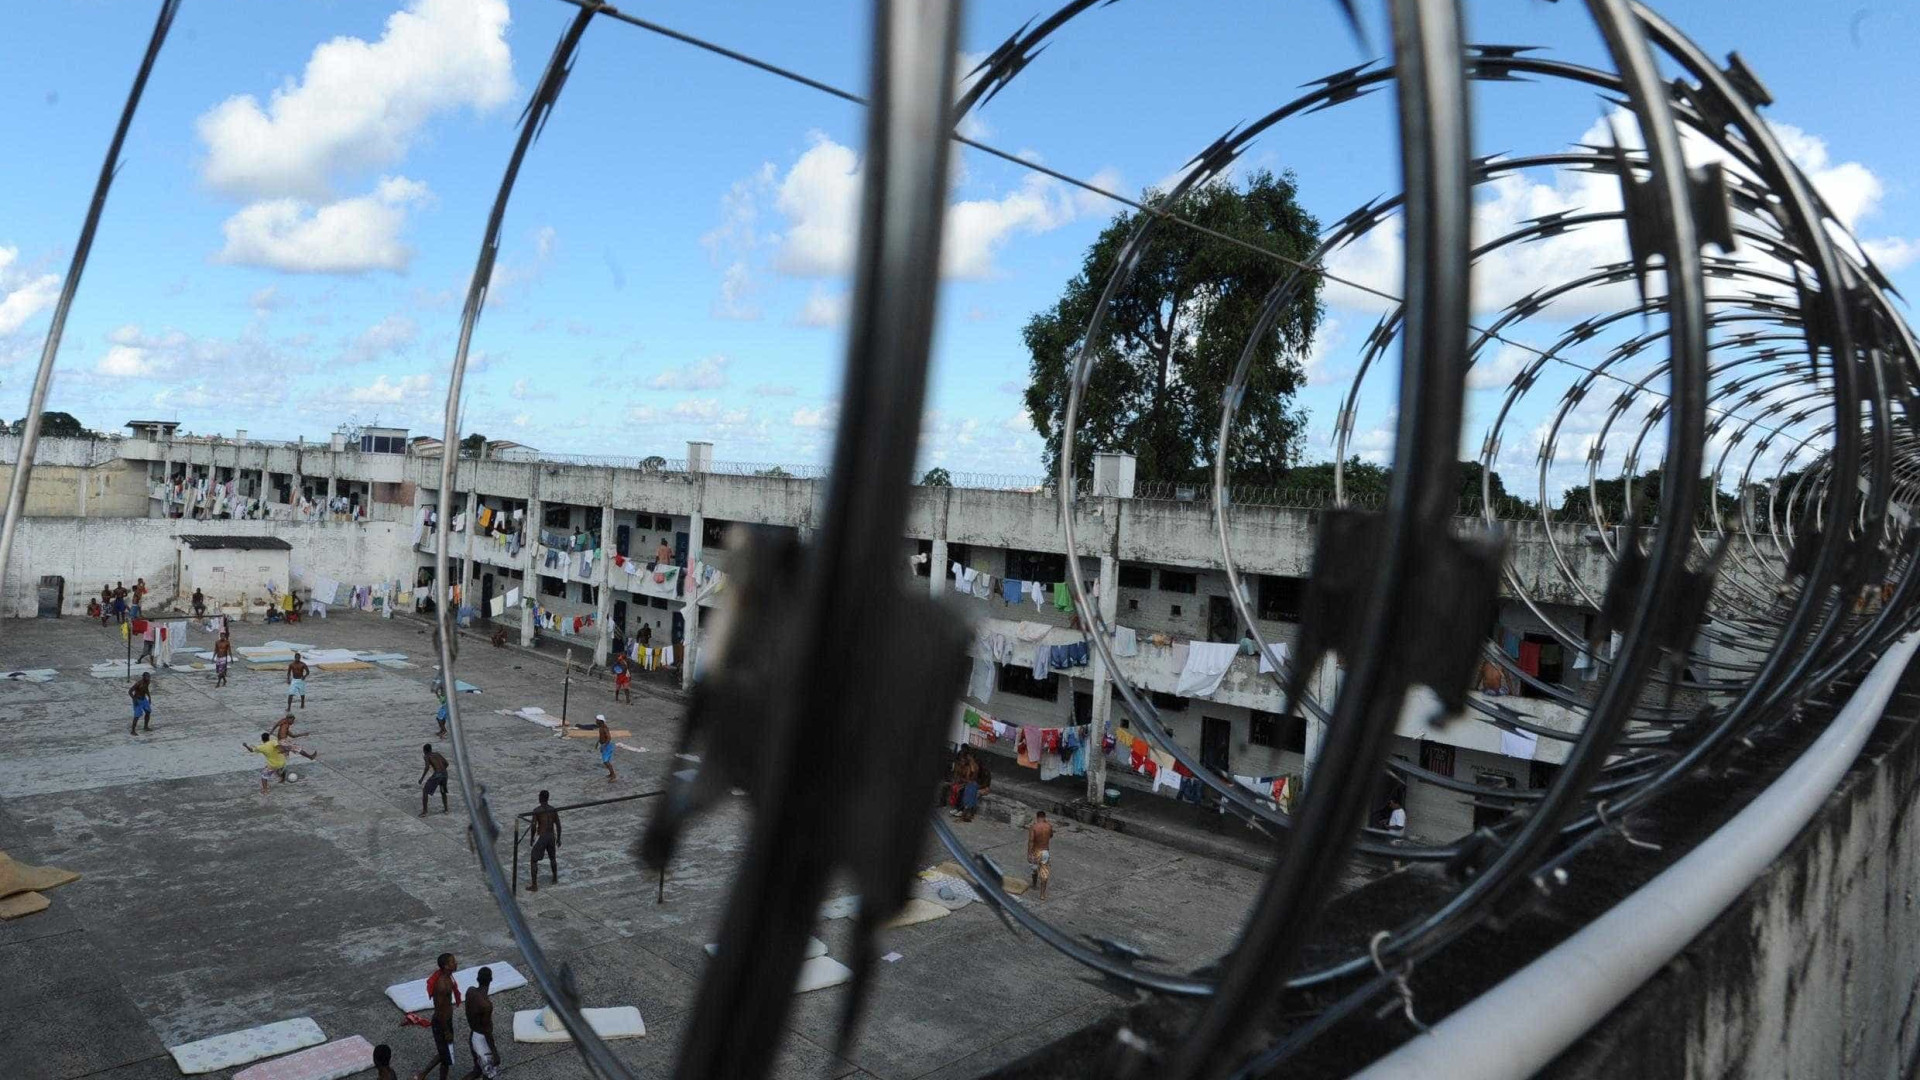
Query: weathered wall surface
{"points": [[1815, 971], [90, 552]]}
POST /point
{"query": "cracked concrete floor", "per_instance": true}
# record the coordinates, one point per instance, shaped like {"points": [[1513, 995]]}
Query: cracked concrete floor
{"points": [[205, 907]]}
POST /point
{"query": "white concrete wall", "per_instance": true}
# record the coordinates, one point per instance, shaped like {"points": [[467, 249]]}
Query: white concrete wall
{"points": [[90, 552], [227, 576]]}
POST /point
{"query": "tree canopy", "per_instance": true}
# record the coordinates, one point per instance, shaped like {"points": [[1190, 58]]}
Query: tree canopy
{"points": [[1173, 335], [474, 445], [937, 477], [57, 425]]}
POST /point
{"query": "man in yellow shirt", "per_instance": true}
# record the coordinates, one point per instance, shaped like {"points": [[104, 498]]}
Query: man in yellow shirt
{"points": [[276, 765]]}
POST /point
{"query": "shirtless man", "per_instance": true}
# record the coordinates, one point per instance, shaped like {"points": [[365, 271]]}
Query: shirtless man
{"points": [[433, 770], [199, 603], [604, 739], [139, 596], [222, 656], [284, 734], [1039, 855], [445, 995], [663, 554], [546, 841], [480, 1025], [296, 682], [142, 695], [622, 679]]}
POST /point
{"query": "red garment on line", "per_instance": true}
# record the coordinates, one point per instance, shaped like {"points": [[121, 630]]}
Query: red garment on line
{"points": [[1530, 657]]}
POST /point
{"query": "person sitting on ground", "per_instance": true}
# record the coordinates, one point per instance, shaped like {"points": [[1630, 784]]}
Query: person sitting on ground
{"points": [[1396, 818], [499, 638], [199, 603], [94, 611]]}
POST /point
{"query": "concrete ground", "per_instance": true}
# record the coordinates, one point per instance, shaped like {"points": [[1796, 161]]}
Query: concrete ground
{"points": [[206, 907]]}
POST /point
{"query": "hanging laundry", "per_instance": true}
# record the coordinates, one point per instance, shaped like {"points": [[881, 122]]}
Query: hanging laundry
{"points": [[1279, 652], [1518, 744], [1010, 590], [1062, 597], [1530, 658], [1029, 739], [1206, 665], [1031, 631], [1125, 642], [983, 585], [980, 687], [1042, 662]]}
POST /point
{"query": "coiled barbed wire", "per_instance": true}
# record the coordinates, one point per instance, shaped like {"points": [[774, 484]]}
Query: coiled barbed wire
{"points": [[1777, 368]]}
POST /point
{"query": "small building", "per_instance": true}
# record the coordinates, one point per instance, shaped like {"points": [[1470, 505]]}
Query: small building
{"points": [[383, 440], [154, 430], [229, 568]]}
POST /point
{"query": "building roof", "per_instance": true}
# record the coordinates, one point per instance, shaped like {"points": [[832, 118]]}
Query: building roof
{"points": [[202, 541]]}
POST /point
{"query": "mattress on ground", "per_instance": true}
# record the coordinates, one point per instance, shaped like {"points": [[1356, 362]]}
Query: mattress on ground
{"points": [[240, 1047], [286, 646], [376, 657], [319, 657], [34, 675], [917, 911], [337, 1059], [412, 996], [618, 733], [345, 665], [948, 893], [19, 877], [820, 973], [20, 905], [815, 947], [618, 1023]]}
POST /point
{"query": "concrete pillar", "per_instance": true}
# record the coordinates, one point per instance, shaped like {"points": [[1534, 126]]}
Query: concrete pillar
{"points": [[1102, 685], [603, 617], [1326, 686], [937, 568], [530, 572], [327, 515], [466, 576], [690, 602]]}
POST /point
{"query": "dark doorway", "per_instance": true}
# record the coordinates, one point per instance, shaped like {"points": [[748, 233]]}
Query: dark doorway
{"points": [[53, 593], [679, 559], [1221, 624], [1082, 708], [486, 597], [622, 538], [620, 616], [1215, 737], [679, 621]]}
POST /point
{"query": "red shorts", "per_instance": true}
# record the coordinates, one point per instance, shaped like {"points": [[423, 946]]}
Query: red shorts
{"points": [[622, 679]]}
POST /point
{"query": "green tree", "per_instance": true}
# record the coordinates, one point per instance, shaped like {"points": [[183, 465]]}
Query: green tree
{"points": [[937, 477], [1173, 335], [1360, 479], [775, 471], [473, 446], [57, 425]]}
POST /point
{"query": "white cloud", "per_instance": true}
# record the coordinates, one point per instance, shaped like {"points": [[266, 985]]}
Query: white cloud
{"points": [[1320, 371], [267, 299], [707, 374], [359, 106], [818, 201], [823, 416], [350, 236], [22, 296], [1892, 253], [1501, 205], [772, 390], [737, 288], [395, 333], [384, 391], [643, 414], [823, 308], [129, 362], [522, 390]]}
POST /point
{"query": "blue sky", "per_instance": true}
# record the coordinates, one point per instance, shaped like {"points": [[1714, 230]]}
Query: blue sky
{"points": [[289, 242]]}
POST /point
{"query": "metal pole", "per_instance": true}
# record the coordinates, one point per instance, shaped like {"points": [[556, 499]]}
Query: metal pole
{"points": [[126, 635], [566, 682], [660, 897], [516, 859]]}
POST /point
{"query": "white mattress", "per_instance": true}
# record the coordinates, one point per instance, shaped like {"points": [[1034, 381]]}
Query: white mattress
{"points": [[917, 911], [412, 996], [815, 947], [336, 1060], [240, 1047], [618, 1023], [820, 973]]}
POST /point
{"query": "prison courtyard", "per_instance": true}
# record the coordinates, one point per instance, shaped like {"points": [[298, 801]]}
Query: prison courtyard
{"points": [[204, 907]]}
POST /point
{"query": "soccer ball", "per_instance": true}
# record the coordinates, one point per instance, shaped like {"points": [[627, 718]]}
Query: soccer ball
{"points": [[292, 777]]}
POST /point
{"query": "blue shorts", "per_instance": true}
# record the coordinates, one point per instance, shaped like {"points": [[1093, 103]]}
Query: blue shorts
{"points": [[442, 714], [297, 688], [606, 754], [142, 707]]}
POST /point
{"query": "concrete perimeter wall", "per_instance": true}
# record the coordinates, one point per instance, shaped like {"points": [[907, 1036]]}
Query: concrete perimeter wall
{"points": [[90, 552], [1815, 971]]}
